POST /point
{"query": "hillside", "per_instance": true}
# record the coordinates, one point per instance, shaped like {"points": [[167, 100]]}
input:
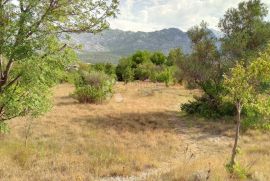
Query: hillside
{"points": [[110, 45]]}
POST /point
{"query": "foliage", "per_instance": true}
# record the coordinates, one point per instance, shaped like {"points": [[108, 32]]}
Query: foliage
{"points": [[145, 65], [140, 57], [68, 77], [158, 58], [203, 65], [31, 55], [245, 32], [124, 71], [94, 87], [243, 89], [4, 129], [202, 69], [144, 71], [203, 106], [175, 57], [107, 68], [237, 171], [245, 29], [166, 75], [128, 75], [243, 85], [24, 96]]}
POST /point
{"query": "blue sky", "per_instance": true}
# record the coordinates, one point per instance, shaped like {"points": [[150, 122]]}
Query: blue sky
{"points": [[151, 15]]}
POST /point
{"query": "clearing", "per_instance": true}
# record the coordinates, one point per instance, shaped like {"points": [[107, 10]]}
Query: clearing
{"points": [[139, 134]]}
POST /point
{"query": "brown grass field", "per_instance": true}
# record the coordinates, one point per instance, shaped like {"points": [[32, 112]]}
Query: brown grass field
{"points": [[139, 134]]}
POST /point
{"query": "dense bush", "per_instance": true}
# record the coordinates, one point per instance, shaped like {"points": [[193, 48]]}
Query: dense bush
{"points": [[107, 68], [140, 57], [145, 65], [144, 71], [93, 87], [128, 75], [209, 108], [158, 58], [163, 74], [124, 70]]}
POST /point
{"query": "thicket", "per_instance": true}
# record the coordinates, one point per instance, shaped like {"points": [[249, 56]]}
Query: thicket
{"points": [[234, 77], [205, 66], [144, 65]]}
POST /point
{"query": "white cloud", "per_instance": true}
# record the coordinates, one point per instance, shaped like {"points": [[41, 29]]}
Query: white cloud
{"points": [[150, 15]]}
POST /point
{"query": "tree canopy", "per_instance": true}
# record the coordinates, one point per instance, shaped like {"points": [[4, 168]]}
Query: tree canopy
{"points": [[31, 53], [245, 28]]}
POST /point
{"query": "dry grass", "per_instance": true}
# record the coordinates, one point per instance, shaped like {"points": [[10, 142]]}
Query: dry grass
{"points": [[254, 158], [131, 133], [139, 129]]}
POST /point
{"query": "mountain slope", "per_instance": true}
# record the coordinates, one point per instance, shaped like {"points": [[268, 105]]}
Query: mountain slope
{"points": [[110, 45]]}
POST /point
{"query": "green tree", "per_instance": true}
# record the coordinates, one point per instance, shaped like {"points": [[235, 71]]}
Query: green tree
{"points": [[124, 63], [204, 57], [245, 29], [31, 55], [243, 89], [128, 75], [140, 57], [175, 57], [203, 66], [158, 58]]}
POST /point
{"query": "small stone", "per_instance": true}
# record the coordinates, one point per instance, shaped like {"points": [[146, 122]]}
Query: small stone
{"points": [[199, 176], [118, 98]]}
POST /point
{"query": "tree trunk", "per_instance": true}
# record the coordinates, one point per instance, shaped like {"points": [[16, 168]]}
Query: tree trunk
{"points": [[238, 123]]}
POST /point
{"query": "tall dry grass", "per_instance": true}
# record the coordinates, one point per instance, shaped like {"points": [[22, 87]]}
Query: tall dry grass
{"points": [[140, 129]]}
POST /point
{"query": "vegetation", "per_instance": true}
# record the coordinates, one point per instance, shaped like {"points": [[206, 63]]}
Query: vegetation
{"points": [[244, 88], [31, 54], [144, 65], [93, 87], [205, 66], [203, 69], [246, 30], [139, 132]]}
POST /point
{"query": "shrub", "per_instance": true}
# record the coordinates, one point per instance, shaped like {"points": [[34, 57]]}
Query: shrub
{"points": [[163, 74], [143, 65], [107, 68], [140, 57], [124, 63], [207, 107], [128, 74], [158, 58], [144, 71], [68, 77], [4, 129], [93, 87], [238, 171]]}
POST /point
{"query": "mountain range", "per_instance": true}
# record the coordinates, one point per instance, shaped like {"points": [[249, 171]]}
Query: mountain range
{"points": [[110, 45]]}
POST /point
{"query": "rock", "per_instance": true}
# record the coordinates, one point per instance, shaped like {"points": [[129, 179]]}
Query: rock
{"points": [[199, 176], [118, 98]]}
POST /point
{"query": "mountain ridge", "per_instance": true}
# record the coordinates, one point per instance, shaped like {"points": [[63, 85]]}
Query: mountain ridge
{"points": [[112, 44]]}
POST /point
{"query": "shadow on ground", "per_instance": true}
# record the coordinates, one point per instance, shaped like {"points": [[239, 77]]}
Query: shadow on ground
{"points": [[165, 121]]}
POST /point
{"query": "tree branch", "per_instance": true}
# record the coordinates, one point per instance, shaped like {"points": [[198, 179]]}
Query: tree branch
{"points": [[3, 80], [11, 82]]}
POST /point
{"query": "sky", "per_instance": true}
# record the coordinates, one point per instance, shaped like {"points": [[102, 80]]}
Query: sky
{"points": [[152, 15]]}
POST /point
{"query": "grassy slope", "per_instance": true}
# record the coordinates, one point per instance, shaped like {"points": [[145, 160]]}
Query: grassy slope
{"points": [[138, 130]]}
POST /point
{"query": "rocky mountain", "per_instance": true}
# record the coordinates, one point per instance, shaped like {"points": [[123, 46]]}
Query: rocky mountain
{"points": [[111, 45]]}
